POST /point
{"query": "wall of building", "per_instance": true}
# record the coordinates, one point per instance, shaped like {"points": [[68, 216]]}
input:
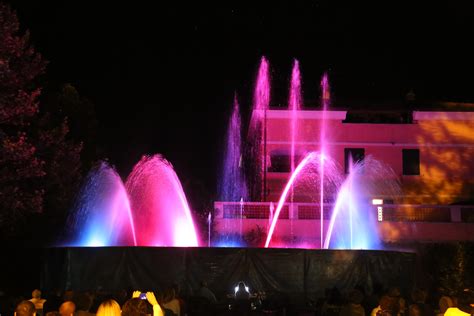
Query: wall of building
{"points": [[445, 141]]}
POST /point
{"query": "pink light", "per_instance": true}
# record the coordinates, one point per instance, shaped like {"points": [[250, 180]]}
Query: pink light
{"points": [[262, 89], [326, 95], [160, 210], [257, 130], [325, 98], [295, 99], [294, 103], [298, 169]]}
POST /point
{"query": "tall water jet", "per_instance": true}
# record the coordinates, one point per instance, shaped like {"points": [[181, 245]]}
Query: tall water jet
{"points": [[353, 223], [209, 220], [233, 186], [258, 131], [308, 176], [101, 215], [325, 99], [241, 218], [160, 210], [294, 105]]}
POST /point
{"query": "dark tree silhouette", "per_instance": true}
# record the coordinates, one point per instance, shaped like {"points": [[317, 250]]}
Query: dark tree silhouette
{"points": [[20, 167], [39, 166]]}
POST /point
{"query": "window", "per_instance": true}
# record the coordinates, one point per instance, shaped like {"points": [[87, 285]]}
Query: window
{"points": [[357, 154], [280, 163], [411, 162]]}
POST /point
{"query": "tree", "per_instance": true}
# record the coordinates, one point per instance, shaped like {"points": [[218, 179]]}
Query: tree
{"points": [[62, 169], [66, 101], [40, 163], [20, 168]]}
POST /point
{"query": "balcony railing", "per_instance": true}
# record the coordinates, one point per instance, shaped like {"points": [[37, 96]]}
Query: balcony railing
{"points": [[311, 211]]}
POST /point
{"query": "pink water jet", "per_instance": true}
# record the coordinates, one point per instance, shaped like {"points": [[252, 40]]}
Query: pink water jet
{"points": [[325, 99], [258, 129], [161, 211], [294, 105], [283, 196], [261, 98], [309, 176]]}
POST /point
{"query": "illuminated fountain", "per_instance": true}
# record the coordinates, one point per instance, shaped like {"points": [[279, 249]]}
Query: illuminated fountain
{"points": [[353, 221], [233, 186], [151, 211], [257, 131], [313, 170], [160, 210], [102, 214], [294, 105], [325, 98]]}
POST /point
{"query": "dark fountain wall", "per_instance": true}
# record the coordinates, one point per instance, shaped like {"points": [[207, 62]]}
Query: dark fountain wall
{"points": [[284, 271], [293, 272]]}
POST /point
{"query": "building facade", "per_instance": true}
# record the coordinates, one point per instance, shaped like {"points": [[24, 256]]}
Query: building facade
{"points": [[430, 153]]}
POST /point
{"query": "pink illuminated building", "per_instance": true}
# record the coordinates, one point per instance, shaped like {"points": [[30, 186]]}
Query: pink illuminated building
{"points": [[430, 152]]}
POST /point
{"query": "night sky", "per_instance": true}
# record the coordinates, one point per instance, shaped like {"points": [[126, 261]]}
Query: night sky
{"points": [[162, 74]]}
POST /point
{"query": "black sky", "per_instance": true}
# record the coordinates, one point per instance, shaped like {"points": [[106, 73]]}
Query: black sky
{"points": [[162, 73]]}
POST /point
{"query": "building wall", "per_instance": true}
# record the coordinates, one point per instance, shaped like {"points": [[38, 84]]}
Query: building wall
{"points": [[445, 141]]}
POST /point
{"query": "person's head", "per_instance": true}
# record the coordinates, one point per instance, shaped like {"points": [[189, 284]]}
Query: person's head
{"points": [[203, 284], [169, 295], [108, 308], [67, 308], [241, 286], [36, 294], [389, 305], [414, 310], [83, 302], [25, 308], [418, 296], [134, 307], [444, 303]]}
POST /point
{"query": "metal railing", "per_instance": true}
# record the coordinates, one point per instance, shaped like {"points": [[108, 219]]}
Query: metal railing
{"points": [[311, 211]]}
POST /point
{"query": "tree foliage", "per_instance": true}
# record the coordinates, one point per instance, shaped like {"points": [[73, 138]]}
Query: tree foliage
{"points": [[20, 167], [39, 163]]}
